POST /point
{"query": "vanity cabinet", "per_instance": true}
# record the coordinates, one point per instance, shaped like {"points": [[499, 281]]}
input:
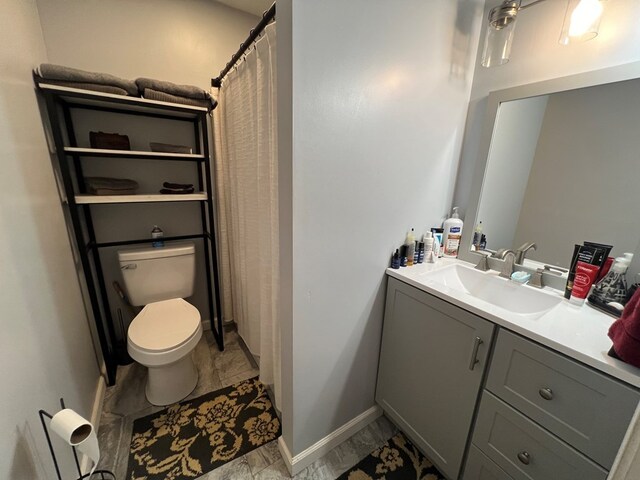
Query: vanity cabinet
{"points": [[538, 416], [432, 363]]}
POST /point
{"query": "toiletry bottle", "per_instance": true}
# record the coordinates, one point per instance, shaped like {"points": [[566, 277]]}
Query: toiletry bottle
{"points": [[403, 255], [428, 247], [420, 252], [395, 260], [452, 234], [410, 242], [477, 237], [613, 287], [483, 242], [156, 235]]}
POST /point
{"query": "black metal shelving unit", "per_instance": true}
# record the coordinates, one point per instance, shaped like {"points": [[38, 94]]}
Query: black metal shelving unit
{"points": [[59, 102]]}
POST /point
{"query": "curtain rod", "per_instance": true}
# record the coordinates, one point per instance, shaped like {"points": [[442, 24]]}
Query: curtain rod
{"points": [[267, 17]]}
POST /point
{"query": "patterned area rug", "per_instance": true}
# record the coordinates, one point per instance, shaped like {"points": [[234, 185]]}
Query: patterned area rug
{"points": [[398, 459], [189, 439]]}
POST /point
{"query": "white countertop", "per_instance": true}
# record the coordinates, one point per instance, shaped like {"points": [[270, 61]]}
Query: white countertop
{"points": [[580, 332]]}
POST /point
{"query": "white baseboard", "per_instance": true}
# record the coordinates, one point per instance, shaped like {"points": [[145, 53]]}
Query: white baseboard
{"points": [[96, 414], [295, 464]]}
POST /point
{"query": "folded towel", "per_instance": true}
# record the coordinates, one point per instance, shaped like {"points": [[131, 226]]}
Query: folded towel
{"points": [[177, 186], [108, 191], [67, 74], [187, 91], [96, 87], [168, 148], [170, 191], [110, 186], [625, 332], [151, 94]]}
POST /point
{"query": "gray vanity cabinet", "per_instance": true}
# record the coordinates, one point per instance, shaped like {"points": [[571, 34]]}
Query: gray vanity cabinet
{"points": [[432, 363]]}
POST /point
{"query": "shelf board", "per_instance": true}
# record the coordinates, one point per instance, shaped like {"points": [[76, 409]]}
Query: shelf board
{"points": [[125, 102], [103, 152], [140, 198]]}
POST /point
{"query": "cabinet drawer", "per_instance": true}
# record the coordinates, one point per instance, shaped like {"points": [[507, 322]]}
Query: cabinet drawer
{"points": [[526, 451], [480, 467], [588, 410]]}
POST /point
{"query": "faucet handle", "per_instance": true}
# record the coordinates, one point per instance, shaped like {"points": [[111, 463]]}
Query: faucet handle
{"points": [[483, 264], [536, 278]]}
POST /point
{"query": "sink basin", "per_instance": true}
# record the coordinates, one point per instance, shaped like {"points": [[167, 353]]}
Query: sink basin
{"points": [[494, 290]]}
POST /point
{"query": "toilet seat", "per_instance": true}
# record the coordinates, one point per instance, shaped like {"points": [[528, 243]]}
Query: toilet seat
{"points": [[163, 332]]}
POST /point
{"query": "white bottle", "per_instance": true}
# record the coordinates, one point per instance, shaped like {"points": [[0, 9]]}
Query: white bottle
{"points": [[429, 255], [452, 234]]}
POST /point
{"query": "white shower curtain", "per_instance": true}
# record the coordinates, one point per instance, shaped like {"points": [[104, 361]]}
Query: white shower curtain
{"points": [[247, 199]]}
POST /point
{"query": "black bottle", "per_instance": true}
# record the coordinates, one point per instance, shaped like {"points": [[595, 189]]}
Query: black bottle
{"points": [[395, 259]]}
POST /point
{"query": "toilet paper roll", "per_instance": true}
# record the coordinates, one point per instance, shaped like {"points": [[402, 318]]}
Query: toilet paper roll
{"points": [[77, 432]]}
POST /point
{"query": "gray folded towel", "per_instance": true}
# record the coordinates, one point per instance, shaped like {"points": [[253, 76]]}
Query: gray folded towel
{"points": [[151, 94], [110, 186], [169, 148], [187, 91], [67, 74], [96, 87]]}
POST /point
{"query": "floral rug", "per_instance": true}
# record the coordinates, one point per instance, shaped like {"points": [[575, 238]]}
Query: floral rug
{"points": [[189, 439], [398, 459]]}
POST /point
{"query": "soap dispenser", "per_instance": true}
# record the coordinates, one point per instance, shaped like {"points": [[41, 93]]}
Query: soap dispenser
{"points": [[452, 234]]}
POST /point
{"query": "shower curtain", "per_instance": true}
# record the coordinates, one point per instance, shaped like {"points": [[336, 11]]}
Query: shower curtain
{"points": [[244, 131]]}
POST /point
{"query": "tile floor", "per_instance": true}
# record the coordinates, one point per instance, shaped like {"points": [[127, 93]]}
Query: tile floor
{"points": [[126, 401]]}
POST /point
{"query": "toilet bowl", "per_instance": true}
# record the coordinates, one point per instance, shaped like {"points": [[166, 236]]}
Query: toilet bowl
{"points": [[162, 337]]}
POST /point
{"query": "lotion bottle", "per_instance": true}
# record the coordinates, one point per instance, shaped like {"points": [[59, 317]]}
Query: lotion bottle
{"points": [[452, 234], [428, 247]]}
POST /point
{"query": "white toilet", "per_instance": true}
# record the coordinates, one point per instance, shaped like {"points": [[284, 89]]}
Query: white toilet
{"points": [[163, 335]]}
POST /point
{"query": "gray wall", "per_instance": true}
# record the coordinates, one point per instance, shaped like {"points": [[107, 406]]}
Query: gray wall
{"points": [[185, 41], [377, 127], [513, 147], [584, 180], [189, 42], [46, 349]]}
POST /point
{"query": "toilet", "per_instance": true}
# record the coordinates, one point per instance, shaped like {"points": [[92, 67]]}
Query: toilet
{"points": [[164, 334]]}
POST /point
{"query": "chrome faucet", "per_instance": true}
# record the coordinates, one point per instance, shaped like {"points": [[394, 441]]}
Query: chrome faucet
{"points": [[521, 252], [509, 261]]}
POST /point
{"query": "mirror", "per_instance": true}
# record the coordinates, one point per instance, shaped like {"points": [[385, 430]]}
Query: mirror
{"points": [[563, 168]]}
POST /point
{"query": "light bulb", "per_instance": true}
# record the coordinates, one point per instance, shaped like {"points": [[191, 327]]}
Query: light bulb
{"points": [[581, 21], [584, 16]]}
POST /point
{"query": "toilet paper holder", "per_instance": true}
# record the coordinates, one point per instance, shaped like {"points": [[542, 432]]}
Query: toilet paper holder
{"points": [[97, 475]]}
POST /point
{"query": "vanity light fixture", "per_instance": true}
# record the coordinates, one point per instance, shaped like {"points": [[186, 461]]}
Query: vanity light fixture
{"points": [[581, 22]]}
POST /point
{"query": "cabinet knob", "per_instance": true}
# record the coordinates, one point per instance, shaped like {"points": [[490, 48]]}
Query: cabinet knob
{"points": [[546, 393], [524, 457]]}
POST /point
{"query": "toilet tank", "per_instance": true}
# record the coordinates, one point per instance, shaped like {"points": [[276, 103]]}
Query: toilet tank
{"points": [[155, 274]]}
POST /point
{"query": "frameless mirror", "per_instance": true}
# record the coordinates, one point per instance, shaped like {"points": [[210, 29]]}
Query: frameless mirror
{"points": [[564, 168]]}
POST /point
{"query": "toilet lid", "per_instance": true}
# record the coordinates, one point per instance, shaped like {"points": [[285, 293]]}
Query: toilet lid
{"points": [[165, 325]]}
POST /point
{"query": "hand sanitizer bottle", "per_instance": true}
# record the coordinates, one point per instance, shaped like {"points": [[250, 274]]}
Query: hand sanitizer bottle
{"points": [[156, 236]]}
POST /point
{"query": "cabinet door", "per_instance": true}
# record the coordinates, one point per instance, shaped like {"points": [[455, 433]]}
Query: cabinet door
{"points": [[431, 365]]}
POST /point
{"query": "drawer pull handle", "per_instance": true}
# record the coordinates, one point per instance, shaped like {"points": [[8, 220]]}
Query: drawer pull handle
{"points": [[546, 393], [474, 354], [524, 457]]}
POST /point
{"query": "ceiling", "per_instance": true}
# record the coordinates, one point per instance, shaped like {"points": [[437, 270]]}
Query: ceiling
{"points": [[255, 7]]}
